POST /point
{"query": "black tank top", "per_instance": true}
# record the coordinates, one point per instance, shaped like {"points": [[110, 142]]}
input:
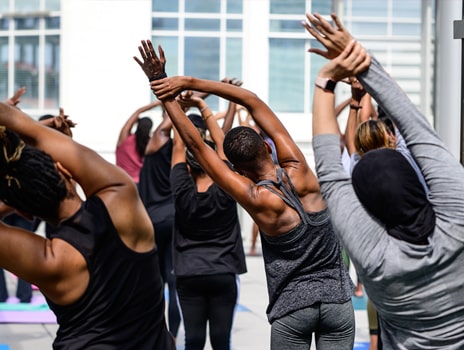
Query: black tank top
{"points": [[123, 306]]}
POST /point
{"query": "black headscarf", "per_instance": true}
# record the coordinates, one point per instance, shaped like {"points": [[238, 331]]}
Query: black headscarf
{"points": [[388, 187]]}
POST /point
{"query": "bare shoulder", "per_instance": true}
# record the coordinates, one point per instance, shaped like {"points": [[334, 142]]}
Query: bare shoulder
{"points": [[129, 217]]}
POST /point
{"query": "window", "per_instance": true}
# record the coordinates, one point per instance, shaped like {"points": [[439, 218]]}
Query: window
{"points": [[30, 52], [205, 40]]}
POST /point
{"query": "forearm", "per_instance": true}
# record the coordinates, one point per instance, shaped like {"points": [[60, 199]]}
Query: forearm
{"points": [[190, 135], [216, 132], [229, 117], [324, 119], [206, 156], [350, 131], [178, 149], [125, 130]]}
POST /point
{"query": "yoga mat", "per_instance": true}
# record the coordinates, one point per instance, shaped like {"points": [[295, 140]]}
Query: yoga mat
{"points": [[37, 311], [358, 346], [4, 347], [359, 303]]}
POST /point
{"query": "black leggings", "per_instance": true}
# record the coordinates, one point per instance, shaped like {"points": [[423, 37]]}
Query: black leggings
{"points": [[164, 242], [207, 298]]}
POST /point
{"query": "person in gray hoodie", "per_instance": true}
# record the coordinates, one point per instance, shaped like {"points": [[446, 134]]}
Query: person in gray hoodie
{"points": [[407, 249]]}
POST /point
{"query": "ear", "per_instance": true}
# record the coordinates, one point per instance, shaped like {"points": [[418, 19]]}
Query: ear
{"points": [[268, 147], [63, 170]]}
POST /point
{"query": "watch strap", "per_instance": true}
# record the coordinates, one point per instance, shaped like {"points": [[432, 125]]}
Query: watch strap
{"points": [[326, 83]]}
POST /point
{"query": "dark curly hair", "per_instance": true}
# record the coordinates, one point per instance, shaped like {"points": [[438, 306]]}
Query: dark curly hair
{"points": [[243, 146], [29, 180]]}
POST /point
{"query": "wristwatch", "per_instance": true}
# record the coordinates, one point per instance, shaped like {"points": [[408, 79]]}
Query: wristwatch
{"points": [[326, 83]]}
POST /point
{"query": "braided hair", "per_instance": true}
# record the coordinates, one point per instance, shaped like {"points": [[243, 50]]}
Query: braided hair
{"points": [[29, 180]]}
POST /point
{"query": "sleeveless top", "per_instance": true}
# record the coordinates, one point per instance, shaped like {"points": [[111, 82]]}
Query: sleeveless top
{"points": [[303, 266], [123, 306], [154, 183], [128, 158], [207, 235]]}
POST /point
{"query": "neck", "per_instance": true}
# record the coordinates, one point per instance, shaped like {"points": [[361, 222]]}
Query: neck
{"points": [[268, 173]]}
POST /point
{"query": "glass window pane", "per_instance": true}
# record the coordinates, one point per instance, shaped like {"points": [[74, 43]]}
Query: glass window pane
{"points": [[165, 6], [369, 8], [234, 6], [410, 8], [26, 58], [288, 7], [202, 24], [27, 23], [4, 23], [52, 71], [407, 29], [286, 81], [5, 5], [198, 51], [52, 22], [323, 7], [160, 23], [171, 51], [210, 6], [371, 28], [285, 26], [201, 57], [234, 25], [27, 5], [52, 5], [4, 68], [234, 58]]}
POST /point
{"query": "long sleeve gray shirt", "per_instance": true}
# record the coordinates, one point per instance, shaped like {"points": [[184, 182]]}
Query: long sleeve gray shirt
{"points": [[418, 290]]}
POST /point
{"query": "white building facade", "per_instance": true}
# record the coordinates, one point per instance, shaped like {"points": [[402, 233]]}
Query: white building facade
{"points": [[78, 54]]}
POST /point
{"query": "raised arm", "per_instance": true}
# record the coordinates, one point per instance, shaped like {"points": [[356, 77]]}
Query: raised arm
{"points": [[178, 149], [61, 122], [287, 150], [16, 98], [89, 169], [236, 185], [442, 171], [160, 135], [130, 122], [231, 108], [358, 94]]}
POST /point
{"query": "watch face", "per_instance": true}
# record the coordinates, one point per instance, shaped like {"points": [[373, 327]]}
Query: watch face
{"points": [[330, 85], [326, 83]]}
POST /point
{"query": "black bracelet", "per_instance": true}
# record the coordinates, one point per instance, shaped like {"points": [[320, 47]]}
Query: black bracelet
{"points": [[157, 77], [355, 107]]}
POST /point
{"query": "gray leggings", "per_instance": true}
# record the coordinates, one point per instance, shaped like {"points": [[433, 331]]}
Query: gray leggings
{"points": [[333, 326]]}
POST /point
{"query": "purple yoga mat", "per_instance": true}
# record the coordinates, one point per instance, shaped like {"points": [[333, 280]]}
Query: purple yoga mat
{"points": [[27, 317], [36, 311]]}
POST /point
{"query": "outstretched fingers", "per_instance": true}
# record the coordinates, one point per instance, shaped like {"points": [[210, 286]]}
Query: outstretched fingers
{"points": [[337, 21], [162, 57]]}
